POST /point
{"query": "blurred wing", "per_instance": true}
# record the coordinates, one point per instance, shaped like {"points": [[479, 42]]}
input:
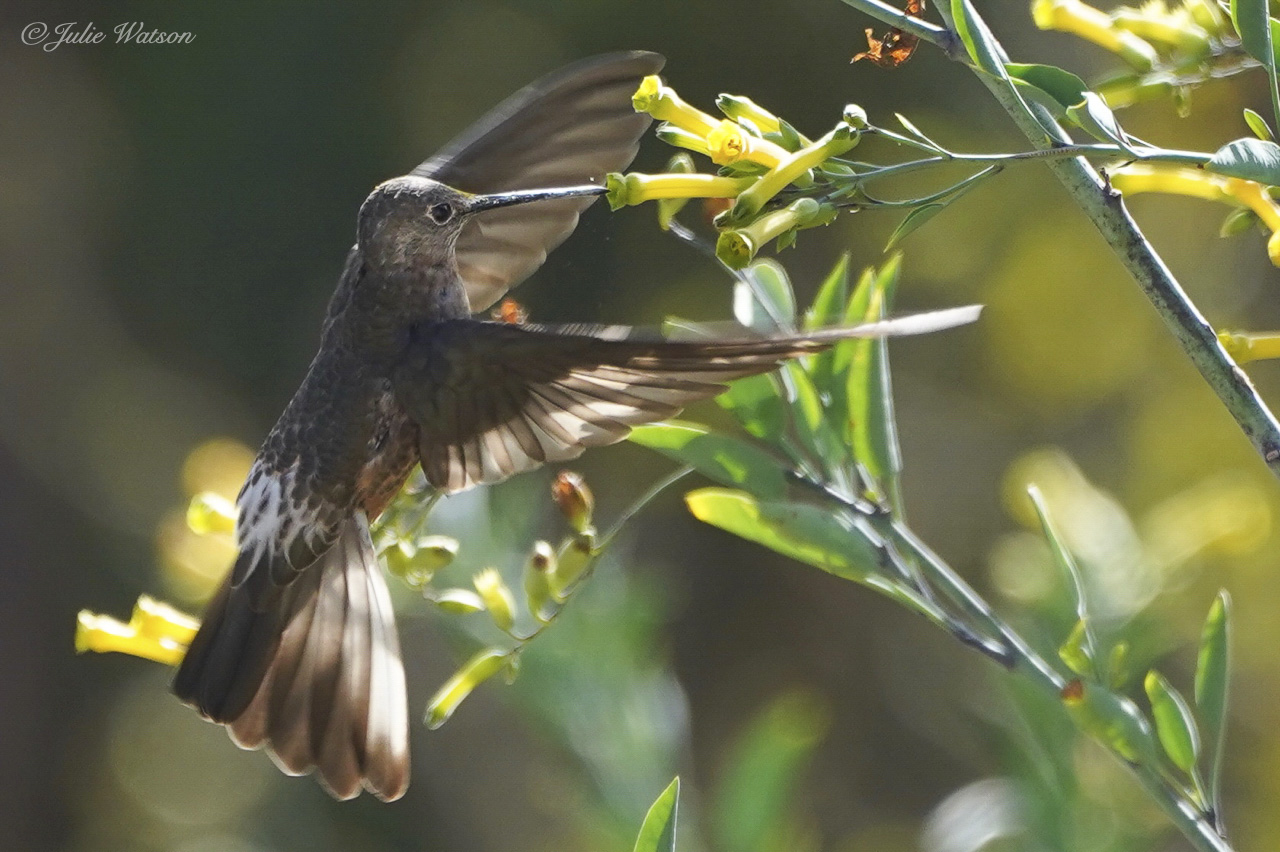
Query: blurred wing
{"points": [[568, 128], [494, 399]]}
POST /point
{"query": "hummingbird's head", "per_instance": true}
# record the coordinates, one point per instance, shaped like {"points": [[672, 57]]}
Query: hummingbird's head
{"points": [[412, 220]]}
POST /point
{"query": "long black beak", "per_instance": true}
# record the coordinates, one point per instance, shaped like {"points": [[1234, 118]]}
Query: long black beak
{"points": [[504, 199]]}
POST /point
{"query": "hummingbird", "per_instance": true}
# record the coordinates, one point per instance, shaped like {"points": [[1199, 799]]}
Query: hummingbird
{"points": [[298, 651]]}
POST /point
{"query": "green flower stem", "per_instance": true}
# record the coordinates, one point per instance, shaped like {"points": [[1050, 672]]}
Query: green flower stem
{"points": [[1023, 660], [1107, 212]]}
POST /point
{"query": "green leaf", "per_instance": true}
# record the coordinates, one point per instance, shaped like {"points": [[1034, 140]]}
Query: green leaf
{"points": [[752, 808], [1065, 88], [836, 542], [816, 434], [765, 300], [828, 304], [965, 28], [827, 310], [1112, 720], [1213, 666], [1237, 222], [1251, 20], [658, 831], [723, 458], [758, 408], [912, 221], [1096, 118], [1068, 566], [1258, 125], [1175, 725], [1075, 652], [1248, 158], [873, 431], [1036, 95]]}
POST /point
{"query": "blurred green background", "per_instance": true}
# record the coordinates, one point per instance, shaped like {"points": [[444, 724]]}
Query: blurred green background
{"points": [[172, 220]]}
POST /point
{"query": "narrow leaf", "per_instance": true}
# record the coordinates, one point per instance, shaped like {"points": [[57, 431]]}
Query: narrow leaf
{"points": [[1175, 725], [1213, 667], [725, 459], [1096, 118], [753, 804], [828, 304], [814, 431], [1075, 653], [1248, 158], [1258, 125], [873, 432], [764, 299], [759, 409], [1250, 18], [1067, 564], [965, 28], [837, 543], [1064, 87], [827, 310], [912, 221], [658, 831]]}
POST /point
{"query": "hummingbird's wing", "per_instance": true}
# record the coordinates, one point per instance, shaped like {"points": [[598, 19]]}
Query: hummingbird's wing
{"points": [[313, 673], [494, 399], [568, 128]]}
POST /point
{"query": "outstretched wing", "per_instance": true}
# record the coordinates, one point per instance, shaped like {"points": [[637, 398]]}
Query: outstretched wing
{"points": [[494, 399], [568, 128]]}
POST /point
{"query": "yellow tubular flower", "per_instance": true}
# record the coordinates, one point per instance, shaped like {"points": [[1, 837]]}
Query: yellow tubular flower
{"points": [[736, 248], [1175, 180], [728, 143], [1178, 31], [661, 101], [736, 106], [673, 135], [1077, 18], [791, 167], [636, 188], [497, 598], [158, 620], [1244, 348], [209, 512], [103, 634]]}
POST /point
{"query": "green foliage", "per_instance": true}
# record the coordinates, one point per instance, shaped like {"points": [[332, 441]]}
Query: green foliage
{"points": [[658, 832]]}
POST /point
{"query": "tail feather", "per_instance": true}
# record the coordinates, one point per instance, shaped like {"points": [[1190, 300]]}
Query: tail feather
{"points": [[326, 690]]}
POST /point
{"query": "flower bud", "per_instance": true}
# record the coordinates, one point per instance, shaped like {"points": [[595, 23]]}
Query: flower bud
{"points": [[454, 691], [456, 601], [661, 101], [574, 559], [538, 569], [738, 107], [497, 598], [211, 513], [574, 498]]}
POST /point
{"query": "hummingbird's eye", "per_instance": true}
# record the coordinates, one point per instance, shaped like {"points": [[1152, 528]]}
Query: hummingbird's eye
{"points": [[440, 213]]}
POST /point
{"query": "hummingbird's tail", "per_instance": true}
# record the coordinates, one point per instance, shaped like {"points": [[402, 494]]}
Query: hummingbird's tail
{"points": [[492, 399], [312, 671]]}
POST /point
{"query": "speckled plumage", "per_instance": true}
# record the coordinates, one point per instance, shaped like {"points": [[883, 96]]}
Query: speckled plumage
{"points": [[298, 650]]}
